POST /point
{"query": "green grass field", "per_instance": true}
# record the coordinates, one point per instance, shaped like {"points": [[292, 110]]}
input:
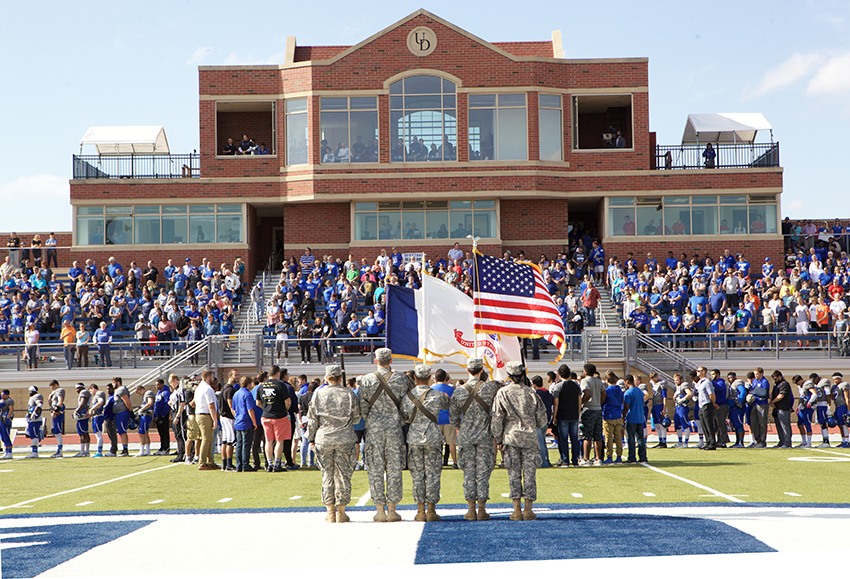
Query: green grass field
{"points": [[760, 476]]}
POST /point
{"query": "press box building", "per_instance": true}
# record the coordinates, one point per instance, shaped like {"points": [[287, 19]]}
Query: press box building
{"points": [[417, 137]]}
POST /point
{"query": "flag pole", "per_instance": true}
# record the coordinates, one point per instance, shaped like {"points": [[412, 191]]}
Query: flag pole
{"points": [[474, 239]]}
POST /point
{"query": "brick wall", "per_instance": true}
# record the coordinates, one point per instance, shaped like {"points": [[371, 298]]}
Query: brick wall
{"points": [[534, 219]]}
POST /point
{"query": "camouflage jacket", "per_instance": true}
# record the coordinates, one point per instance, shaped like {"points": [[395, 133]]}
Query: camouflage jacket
{"points": [[517, 414], [383, 414], [422, 429], [473, 425], [333, 412]]}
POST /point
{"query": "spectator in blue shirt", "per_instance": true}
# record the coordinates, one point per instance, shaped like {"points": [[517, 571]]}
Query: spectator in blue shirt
{"points": [[245, 422], [635, 420], [612, 419], [103, 339]]}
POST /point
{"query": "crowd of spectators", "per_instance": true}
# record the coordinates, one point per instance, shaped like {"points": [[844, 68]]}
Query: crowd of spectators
{"points": [[245, 147]]}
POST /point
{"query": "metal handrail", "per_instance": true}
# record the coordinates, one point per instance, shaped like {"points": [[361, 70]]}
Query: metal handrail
{"points": [[728, 156], [137, 166], [195, 349]]}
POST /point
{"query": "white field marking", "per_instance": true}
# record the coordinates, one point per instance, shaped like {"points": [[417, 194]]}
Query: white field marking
{"points": [[578, 495], [156, 502], [793, 494], [7, 471], [84, 503], [7, 536], [844, 454], [819, 458], [91, 486], [19, 545], [506, 495], [295, 498], [649, 494], [690, 482], [361, 502], [225, 500]]}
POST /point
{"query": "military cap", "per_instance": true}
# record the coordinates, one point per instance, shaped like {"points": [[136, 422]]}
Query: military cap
{"points": [[333, 370], [474, 364], [514, 368], [383, 354], [422, 370]]}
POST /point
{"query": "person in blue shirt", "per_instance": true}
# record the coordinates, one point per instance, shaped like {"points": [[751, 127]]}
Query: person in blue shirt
{"points": [[441, 384], [354, 326], [612, 418], [674, 322], [758, 412], [651, 262], [656, 324], [742, 265], [640, 320], [721, 399], [371, 324], [103, 339], [245, 423], [682, 399], [181, 282], [671, 262], [717, 300], [715, 326], [635, 420], [597, 256], [737, 399], [697, 298], [211, 326], [701, 319]]}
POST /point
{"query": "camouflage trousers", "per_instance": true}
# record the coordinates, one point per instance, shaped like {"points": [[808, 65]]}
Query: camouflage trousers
{"points": [[337, 464], [425, 463], [384, 462], [522, 464], [477, 462]]}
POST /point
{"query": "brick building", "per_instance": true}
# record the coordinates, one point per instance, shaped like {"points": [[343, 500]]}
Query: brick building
{"points": [[419, 136]]}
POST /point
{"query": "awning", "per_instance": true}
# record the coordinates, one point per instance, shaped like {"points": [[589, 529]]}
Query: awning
{"points": [[126, 140], [724, 128]]}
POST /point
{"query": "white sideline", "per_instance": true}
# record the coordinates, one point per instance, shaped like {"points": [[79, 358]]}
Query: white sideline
{"points": [[91, 486], [693, 483]]}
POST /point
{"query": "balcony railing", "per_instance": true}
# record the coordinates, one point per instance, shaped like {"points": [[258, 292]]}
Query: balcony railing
{"points": [[137, 166], [729, 156]]}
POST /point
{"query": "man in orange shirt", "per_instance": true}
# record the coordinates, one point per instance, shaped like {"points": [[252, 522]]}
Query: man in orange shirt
{"points": [[69, 338], [822, 314]]}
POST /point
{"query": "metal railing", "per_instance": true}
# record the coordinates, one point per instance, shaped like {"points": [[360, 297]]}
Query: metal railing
{"points": [[190, 354], [740, 346], [729, 156], [182, 166]]}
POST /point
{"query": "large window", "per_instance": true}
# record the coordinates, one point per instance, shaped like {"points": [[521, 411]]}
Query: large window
{"points": [[296, 132], [423, 119], [159, 224], [349, 130], [551, 130], [692, 215], [497, 127], [602, 122], [424, 220]]}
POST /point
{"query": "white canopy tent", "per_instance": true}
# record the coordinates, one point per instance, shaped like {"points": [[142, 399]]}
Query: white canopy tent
{"points": [[126, 140], [725, 128]]}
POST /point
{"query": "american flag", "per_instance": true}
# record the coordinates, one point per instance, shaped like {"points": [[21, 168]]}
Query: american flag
{"points": [[512, 299]]}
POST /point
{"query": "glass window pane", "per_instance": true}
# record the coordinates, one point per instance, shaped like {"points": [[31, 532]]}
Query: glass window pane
{"points": [[482, 100], [201, 229], [732, 199], [174, 229], [649, 221], [296, 137], [396, 103], [622, 221], [146, 210], [422, 84], [365, 206], [485, 223], [512, 134], [174, 209], [437, 204], [202, 209], [551, 135], [296, 106], [334, 104], [757, 222], [364, 102], [678, 220], [511, 100], [334, 143], [676, 200], [704, 220], [229, 208], [704, 200], [550, 101], [733, 219], [615, 201], [89, 230], [366, 225], [449, 148], [448, 86], [449, 101], [229, 228], [119, 231], [769, 217], [119, 210], [399, 151], [147, 229], [389, 205], [389, 225], [88, 210], [413, 204], [491, 204], [460, 205], [437, 225], [396, 87], [460, 223], [482, 124], [422, 102], [364, 137], [414, 224]]}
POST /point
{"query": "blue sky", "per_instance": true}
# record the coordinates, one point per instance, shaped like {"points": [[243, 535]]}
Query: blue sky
{"points": [[70, 65]]}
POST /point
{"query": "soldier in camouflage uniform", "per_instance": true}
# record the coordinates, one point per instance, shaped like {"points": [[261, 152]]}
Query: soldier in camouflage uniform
{"points": [[475, 451], [420, 408], [334, 410], [517, 414], [380, 396]]}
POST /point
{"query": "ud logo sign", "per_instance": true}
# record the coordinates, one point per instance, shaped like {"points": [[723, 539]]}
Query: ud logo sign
{"points": [[421, 41]]}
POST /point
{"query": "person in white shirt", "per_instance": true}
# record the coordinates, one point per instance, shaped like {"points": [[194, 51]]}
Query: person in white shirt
{"points": [[206, 415]]}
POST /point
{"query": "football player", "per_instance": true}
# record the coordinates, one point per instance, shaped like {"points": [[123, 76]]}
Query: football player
{"points": [[841, 401], [694, 404], [82, 415], [804, 410], [822, 390], [738, 390], [145, 415], [7, 412], [96, 406], [57, 407], [35, 422], [721, 399], [682, 397], [659, 407]]}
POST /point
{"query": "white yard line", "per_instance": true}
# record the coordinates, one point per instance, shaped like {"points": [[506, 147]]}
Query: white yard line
{"points": [[793, 494], [84, 503], [295, 498], [91, 486], [156, 502], [844, 454], [693, 483], [225, 500], [649, 494], [577, 495], [364, 499]]}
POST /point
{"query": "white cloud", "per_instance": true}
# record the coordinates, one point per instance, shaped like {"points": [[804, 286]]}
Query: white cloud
{"points": [[199, 55], [788, 72], [35, 203], [797, 205], [833, 78]]}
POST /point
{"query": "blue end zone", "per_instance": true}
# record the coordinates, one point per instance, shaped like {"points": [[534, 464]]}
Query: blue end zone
{"points": [[62, 543], [579, 536]]}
